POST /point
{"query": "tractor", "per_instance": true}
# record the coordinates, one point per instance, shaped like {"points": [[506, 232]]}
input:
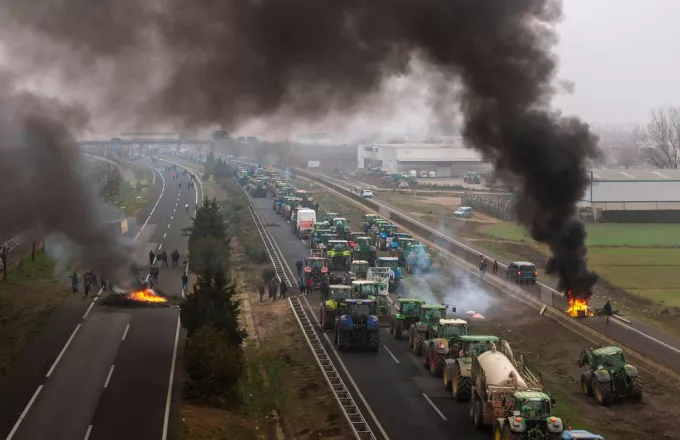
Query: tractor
{"points": [[358, 270], [364, 289], [358, 325], [461, 350], [529, 418], [608, 376], [316, 269], [408, 312], [258, 188], [317, 238], [340, 226], [338, 254], [436, 350], [418, 259], [385, 234], [399, 247], [329, 308], [396, 275], [326, 237], [290, 205], [362, 248], [329, 218], [367, 222], [420, 331]]}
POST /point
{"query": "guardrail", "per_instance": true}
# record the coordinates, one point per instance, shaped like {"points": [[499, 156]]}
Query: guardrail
{"points": [[536, 295]]}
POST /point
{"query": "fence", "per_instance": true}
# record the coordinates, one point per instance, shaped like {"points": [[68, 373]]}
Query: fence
{"points": [[495, 207]]}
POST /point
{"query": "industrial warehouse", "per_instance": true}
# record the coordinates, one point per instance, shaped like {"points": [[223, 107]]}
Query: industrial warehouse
{"points": [[633, 190]]}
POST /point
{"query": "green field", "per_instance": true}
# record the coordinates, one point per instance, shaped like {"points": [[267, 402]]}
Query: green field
{"points": [[642, 259]]}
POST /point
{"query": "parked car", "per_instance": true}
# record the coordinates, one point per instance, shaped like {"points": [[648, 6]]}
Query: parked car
{"points": [[463, 211], [580, 434], [366, 194], [522, 272]]}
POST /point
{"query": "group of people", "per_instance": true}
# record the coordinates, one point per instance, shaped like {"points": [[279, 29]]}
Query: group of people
{"points": [[483, 263], [161, 259], [272, 288], [90, 280]]}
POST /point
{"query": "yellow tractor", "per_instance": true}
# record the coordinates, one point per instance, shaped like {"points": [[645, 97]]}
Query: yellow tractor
{"points": [[337, 295]]}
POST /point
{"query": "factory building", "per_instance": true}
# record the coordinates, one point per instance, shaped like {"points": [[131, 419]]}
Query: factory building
{"points": [[637, 189], [447, 159]]}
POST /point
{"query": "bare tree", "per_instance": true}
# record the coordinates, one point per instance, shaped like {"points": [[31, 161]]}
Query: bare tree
{"points": [[6, 249], [662, 143], [628, 156]]}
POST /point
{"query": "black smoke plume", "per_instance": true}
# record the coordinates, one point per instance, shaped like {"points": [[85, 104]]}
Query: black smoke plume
{"points": [[229, 61]]}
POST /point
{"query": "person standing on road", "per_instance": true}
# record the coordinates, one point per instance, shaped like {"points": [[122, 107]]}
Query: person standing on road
{"points": [[272, 289], [74, 282], [482, 267], [308, 286], [165, 259], [495, 267], [185, 283], [608, 311], [260, 291], [301, 285], [151, 257], [283, 288], [87, 284], [299, 264], [325, 289]]}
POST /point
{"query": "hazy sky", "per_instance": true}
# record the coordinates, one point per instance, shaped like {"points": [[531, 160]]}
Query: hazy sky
{"points": [[622, 56]]}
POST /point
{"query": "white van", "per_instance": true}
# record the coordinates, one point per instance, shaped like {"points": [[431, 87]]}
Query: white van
{"points": [[304, 222], [463, 211], [366, 194]]}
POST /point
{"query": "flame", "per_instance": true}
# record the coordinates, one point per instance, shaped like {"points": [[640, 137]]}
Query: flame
{"points": [[577, 305], [146, 295]]}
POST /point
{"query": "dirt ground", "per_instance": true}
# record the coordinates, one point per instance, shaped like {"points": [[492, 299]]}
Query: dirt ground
{"points": [[554, 351]]}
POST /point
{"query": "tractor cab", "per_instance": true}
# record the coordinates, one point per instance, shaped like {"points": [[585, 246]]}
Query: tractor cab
{"points": [[340, 226], [326, 238], [364, 288], [316, 269], [337, 294], [409, 308], [362, 247], [333, 305], [317, 238], [319, 226], [395, 271], [451, 328], [358, 269], [432, 313], [367, 221], [338, 254], [360, 308], [469, 346], [329, 218], [399, 245], [386, 235]]}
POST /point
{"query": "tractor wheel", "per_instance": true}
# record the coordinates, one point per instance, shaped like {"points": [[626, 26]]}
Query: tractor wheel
{"points": [[447, 380], [418, 340], [437, 364], [587, 383], [426, 357], [460, 386], [477, 413], [398, 329], [497, 431], [554, 436], [322, 324], [392, 328], [636, 387], [343, 341], [603, 392], [374, 342]]}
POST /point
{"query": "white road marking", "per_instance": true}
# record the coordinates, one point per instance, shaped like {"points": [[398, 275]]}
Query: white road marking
{"points": [[433, 406], [159, 248], [172, 217], [127, 327], [651, 338], [155, 206], [23, 414], [87, 312], [168, 225], [165, 235], [168, 400], [63, 350], [391, 354], [108, 378], [87, 434]]}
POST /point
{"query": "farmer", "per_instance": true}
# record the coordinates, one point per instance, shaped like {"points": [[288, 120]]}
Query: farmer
{"points": [[608, 311]]}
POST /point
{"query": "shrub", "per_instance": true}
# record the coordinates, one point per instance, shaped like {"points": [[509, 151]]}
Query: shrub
{"points": [[213, 368]]}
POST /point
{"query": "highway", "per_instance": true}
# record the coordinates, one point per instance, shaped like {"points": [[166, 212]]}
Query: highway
{"points": [[645, 339], [112, 375], [406, 400]]}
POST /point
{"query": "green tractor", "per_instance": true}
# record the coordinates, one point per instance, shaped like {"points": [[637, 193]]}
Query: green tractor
{"points": [[422, 330], [529, 418], [358, 325], [458, 369], [399, 247], [332, 306], [329, 218], [608, 376], [338, 254], [362, 248], [258, 188], [436, 350], [317, 238], [367, 222], [385, 234], [358, 270], [408, 312], [418, 259], [340, 226]]}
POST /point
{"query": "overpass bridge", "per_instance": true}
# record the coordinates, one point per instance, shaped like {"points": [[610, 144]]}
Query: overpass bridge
{"points": [[143, 141]]}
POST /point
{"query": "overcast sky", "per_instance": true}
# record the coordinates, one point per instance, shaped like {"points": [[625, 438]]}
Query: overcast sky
{"points": [[623, 57]]}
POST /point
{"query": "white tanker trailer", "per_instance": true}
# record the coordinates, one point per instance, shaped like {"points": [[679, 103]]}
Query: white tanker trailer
{"points": [[507, 395]]}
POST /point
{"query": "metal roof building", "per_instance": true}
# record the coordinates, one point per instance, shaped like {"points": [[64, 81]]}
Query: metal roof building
{"points": [[633, 189], [446, 159]]}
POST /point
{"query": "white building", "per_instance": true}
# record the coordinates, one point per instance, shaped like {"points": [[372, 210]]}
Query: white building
{"points": [[637, 189], [447, 159]]}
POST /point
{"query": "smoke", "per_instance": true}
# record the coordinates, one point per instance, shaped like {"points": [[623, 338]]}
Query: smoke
{"points": [[43, 190], [226, 62]]}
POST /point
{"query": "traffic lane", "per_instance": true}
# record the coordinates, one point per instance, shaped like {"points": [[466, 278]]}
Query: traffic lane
{"points": [[132, 406], [377, 376], [28, 371], [66, 404], [172, 214], [145, 212]]}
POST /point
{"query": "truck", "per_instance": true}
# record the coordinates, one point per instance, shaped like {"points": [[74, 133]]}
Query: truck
{"points": [[608, 376], [304, 222], [331, 305], [407, 313], [358, 325], [509, 397]]}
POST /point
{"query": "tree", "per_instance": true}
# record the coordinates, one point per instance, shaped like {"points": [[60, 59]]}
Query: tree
{"points": [[209, 222], [628, 156], [662, 139], [208, 255], [6, 249]]}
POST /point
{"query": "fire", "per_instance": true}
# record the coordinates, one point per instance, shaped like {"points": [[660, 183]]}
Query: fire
{"points": [[146, 295], [577, 305]]}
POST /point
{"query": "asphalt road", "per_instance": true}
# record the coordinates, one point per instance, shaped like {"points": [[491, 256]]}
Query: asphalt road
{"points": [[114, 376], [642, 337], [406, 400]]}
